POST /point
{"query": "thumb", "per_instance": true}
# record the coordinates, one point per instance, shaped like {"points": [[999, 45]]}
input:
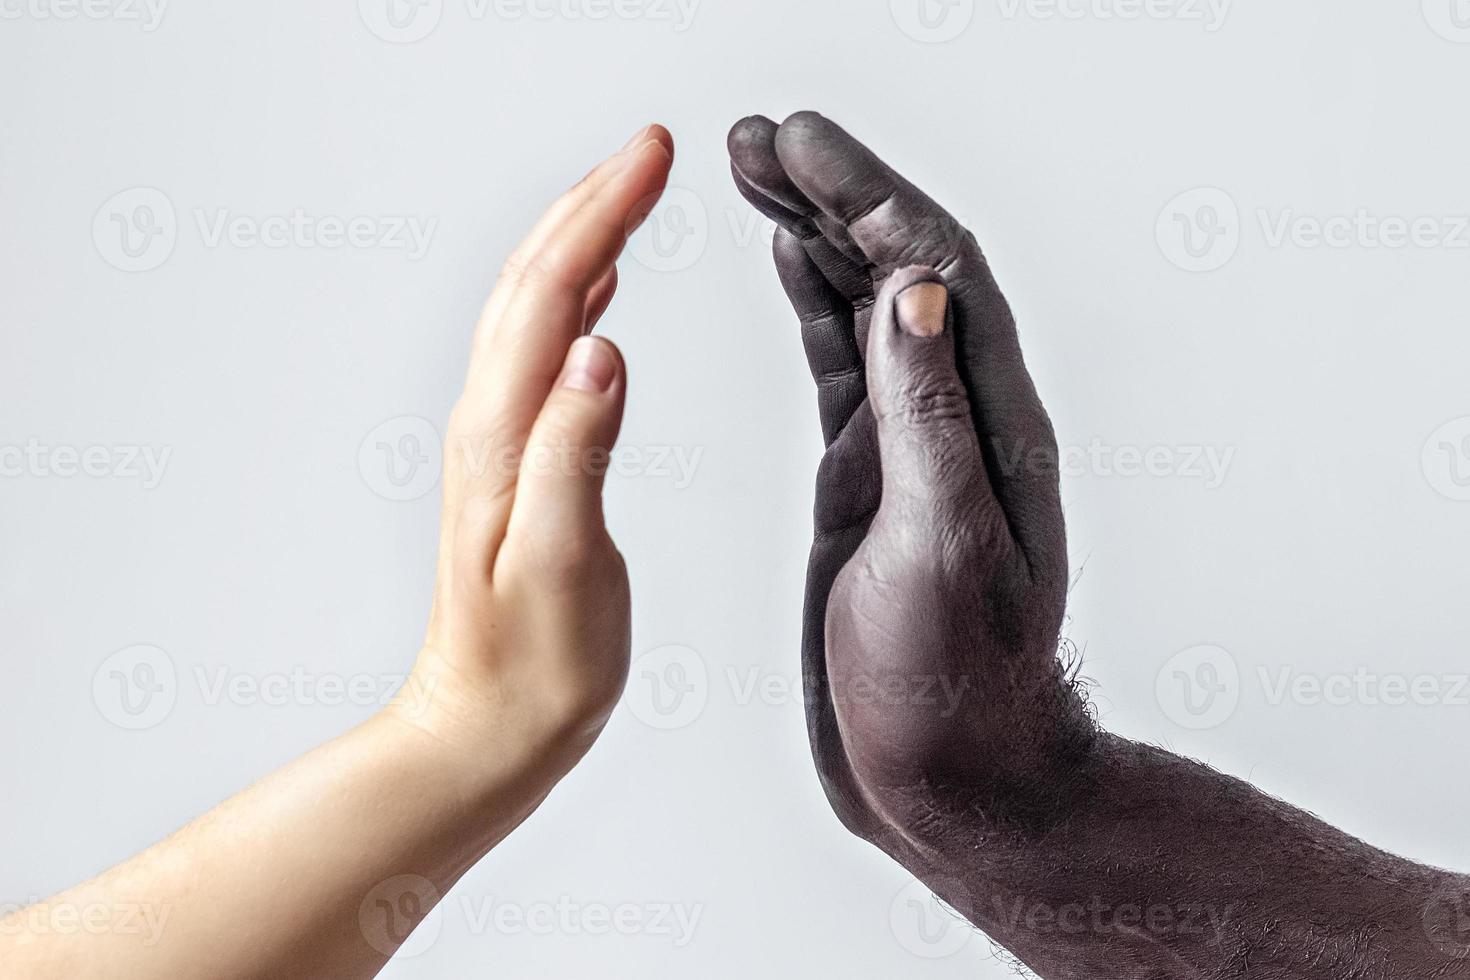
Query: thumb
{"points": [[558, 493], [931, 457]]}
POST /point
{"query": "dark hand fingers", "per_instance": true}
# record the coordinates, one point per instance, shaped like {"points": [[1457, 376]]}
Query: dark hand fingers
{"points": [[891, 221], [752, 146], [849, 487], [850, 279], [827, 333], [897, 225]]}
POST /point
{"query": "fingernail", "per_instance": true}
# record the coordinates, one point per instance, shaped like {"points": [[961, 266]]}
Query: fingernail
{"points": [[921, 309], [590, 366], [638, 138]]}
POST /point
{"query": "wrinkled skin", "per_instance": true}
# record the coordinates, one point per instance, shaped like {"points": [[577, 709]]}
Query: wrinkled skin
{"points": [[942, 723], [956, 595]]}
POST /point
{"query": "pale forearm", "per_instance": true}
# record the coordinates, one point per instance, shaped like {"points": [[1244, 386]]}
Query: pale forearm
{"points": [[273, 881], [322, 868]]}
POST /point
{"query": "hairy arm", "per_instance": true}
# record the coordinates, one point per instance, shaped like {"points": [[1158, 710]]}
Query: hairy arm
{"points": [[1158, 866], [940, 561]]}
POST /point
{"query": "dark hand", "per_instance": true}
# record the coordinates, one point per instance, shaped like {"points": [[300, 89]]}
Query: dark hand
{"points": [[943, 726], [939, 571]]}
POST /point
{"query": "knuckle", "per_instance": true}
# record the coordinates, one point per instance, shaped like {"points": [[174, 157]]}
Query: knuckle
{"points": [[926, 401]]}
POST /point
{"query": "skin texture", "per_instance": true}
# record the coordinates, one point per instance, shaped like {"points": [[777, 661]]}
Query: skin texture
{"points": [[940, 565], [322, 868]]}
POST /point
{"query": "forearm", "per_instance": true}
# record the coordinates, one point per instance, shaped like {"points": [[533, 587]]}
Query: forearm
{"points": [[288, 878], [1161, 867]]}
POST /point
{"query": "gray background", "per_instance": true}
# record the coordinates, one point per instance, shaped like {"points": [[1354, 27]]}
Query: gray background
{"points": [[1333, 376]]}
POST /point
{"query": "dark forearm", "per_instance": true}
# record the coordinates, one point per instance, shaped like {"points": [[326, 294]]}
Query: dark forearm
{"points": [[1158, 866]]}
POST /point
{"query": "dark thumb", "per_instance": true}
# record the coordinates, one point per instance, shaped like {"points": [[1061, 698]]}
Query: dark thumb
{"points": [[926, 430]]}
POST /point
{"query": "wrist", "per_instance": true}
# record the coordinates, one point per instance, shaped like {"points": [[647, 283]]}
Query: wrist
{"points": [[490, 730], [1029, 769]]}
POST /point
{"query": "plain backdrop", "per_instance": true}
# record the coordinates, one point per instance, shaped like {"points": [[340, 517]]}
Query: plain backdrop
{"points": [[1146, 179]]}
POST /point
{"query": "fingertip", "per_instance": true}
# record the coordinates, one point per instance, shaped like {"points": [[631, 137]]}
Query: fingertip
{"points": [[652, 133], [656, 150], [805, 119], [750, 132], [753, 156], [800, 130], [660, 134]]}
